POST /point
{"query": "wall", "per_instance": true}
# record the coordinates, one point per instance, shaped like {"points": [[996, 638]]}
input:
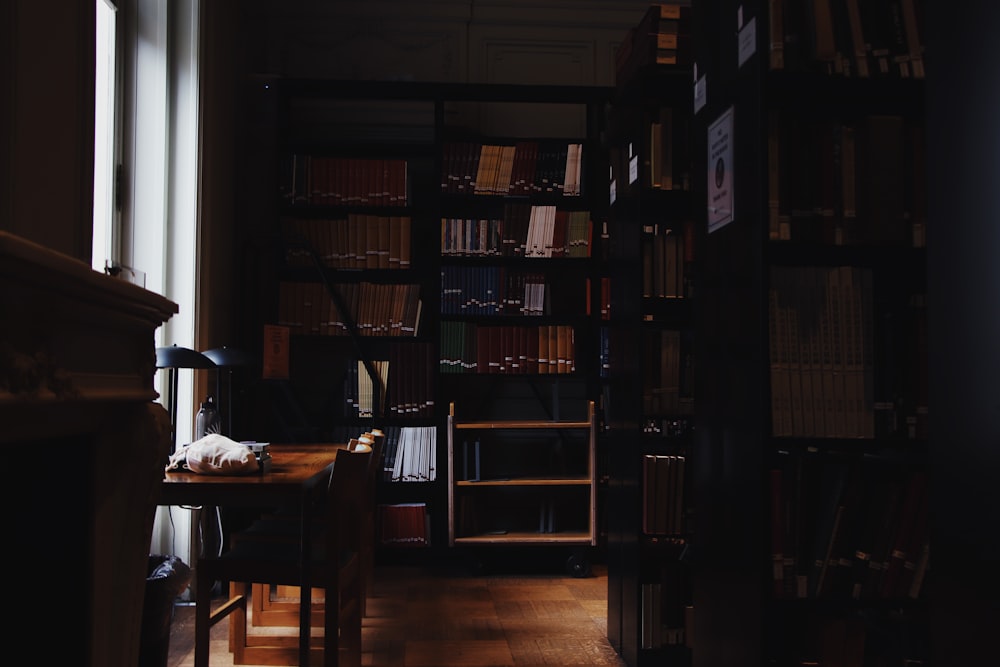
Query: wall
{"points": [[515, 41], [47, 123]]}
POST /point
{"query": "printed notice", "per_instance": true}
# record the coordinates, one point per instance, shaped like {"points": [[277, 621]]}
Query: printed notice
{"points": [[747, 44], [720, 171], [275, 362]]}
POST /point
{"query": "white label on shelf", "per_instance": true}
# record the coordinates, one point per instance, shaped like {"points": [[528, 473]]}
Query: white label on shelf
{"points": [[720, 171], [747, 39], [633, 169], [700, 94]]}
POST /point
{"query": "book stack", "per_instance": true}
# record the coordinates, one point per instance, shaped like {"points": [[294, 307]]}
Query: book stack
{"points": [[403, 525], [662, 37], [357, 241], [411, 454], [518, 168], [317, 180], [375, 309], [847, 531], [526, 230], [467, 347], [663, 494], [854, 38]]}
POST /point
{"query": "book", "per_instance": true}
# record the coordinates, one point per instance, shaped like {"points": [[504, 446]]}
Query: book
{"points": [[662, 27], [778, 529], [861, 48], [881, 173], [827, 514], [776, 34], [914, 42]]}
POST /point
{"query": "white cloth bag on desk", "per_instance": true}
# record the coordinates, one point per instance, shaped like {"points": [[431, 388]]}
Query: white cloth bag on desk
{"points": [[214, 454]]}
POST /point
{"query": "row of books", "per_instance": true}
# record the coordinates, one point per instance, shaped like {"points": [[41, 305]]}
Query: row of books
{"points": [[821, 341], [604, 294], [667, 373], [316, 180], [663, 36], [405, 379], [357, 241], [403, 525], [492, 290], [517, 168], [375, 309], [410, 454], [507, 349], [856, 38], [668, 151], [843, 530], [664, 256], [663, 481], [666, 614], [604, 352], [360, 390], [847, 183], [526, 230]]}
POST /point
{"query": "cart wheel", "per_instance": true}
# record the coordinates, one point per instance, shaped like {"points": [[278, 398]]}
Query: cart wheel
{"points": [[578, 566], [476, 567]]}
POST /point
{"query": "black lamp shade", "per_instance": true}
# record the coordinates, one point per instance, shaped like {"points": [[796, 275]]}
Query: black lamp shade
{"points": [[225, 357], [181, 357]]}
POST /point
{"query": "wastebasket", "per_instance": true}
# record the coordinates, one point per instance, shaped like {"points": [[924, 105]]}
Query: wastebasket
{"points": [[168, 577]]}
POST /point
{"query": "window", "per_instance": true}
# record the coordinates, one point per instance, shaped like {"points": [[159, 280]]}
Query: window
{"points": [[106, 137], [147, 180]]}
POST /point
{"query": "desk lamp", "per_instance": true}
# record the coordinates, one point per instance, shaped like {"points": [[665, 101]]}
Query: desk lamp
{"points": [[228, 358], [174, 358]]}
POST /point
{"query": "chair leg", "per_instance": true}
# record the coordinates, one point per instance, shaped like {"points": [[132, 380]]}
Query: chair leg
{"points": [[203, 618], [259, 594], [238, 624], [305, 621], [269, 612]]}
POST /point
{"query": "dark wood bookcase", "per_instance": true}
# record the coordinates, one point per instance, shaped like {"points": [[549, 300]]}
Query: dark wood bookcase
{"points": [[649, 397], [355, 281], [361, 248], [522, 200], [810, 471]]}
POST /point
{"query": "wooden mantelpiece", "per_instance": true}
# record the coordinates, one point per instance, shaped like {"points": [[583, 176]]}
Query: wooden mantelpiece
{"points": [[84, 444]]}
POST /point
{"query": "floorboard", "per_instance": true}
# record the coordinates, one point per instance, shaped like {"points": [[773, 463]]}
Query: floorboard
{"points": [[426, 617]]}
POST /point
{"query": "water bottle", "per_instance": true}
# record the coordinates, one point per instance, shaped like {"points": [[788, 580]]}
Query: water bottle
{"points": [[207, 420]]}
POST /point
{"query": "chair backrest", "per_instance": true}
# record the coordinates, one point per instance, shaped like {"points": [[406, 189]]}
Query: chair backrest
{"points": [[346, 496], [374, 439]]}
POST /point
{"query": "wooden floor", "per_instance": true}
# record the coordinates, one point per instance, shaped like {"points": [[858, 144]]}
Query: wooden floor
{"points": [[437, 617]]}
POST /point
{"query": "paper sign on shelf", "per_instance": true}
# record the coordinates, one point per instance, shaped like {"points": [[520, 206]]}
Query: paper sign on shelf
{"points": [[720, 171]]}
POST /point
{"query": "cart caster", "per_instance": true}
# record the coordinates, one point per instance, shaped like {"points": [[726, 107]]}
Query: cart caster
{"points": [[476, 567], [578, 566]]}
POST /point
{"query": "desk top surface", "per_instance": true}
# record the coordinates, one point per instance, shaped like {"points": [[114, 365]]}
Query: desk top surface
{"points": [[295, 468]]}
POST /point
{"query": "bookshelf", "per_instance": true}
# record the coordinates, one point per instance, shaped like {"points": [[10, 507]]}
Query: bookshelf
{"points": [[371, 262], [350, 277], [521, 292], [649, 383], [811, 449]]}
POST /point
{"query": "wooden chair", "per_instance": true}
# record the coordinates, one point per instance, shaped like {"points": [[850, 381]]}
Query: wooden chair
{"points": [[368, 526], [277, 606], [332, 563]]}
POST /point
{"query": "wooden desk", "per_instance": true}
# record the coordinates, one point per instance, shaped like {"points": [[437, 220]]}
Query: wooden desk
{"points": [[295, 470]]}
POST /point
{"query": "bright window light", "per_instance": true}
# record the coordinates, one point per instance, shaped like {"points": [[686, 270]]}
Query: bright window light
{"points": [[105, 213]]}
